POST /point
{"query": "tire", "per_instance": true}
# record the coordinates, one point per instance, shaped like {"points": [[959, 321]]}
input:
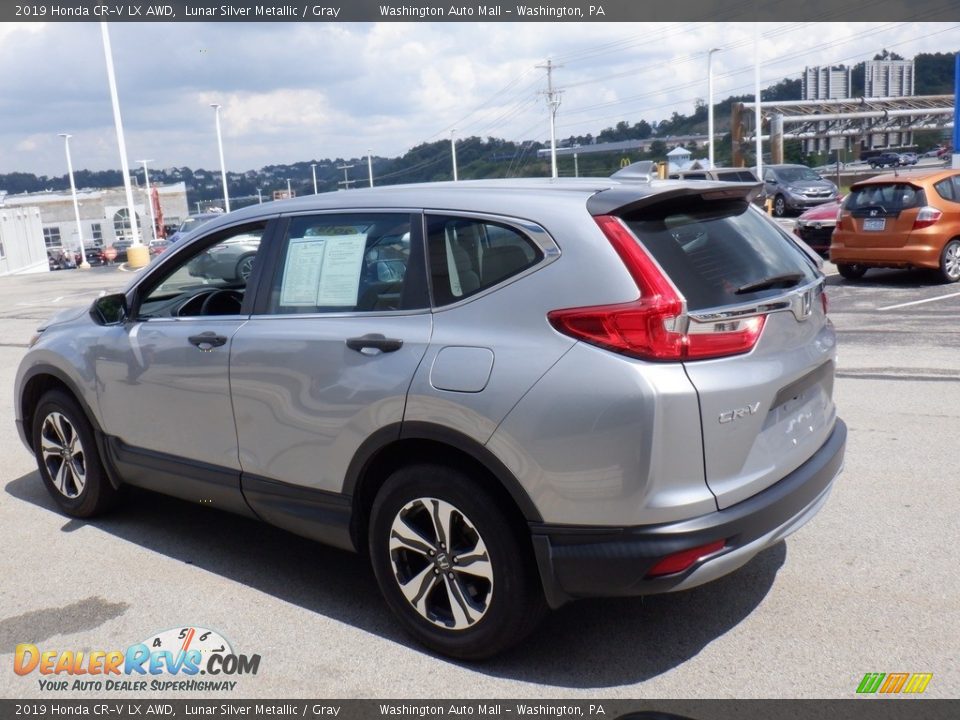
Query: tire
{"points": [[851, 272], [779, 206], [68, 458], [950, 261], [465, 614]]}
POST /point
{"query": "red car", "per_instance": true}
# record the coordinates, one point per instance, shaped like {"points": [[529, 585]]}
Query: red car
{"points": [[815, 226], [158, 246]]}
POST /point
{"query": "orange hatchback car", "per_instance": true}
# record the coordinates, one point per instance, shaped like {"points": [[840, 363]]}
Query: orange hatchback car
{"points": [[900, 221]]}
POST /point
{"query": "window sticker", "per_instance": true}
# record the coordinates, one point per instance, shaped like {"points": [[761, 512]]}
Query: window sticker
{"points": [[340, 271], [301, 272], [323, 271]]}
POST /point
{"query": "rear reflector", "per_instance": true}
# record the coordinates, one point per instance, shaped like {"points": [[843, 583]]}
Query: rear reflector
{"points": [[655, 326], [683, 560]]}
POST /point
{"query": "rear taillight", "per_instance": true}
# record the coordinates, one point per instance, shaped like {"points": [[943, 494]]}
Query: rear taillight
{"points": [[655, 326], [926, 217]]}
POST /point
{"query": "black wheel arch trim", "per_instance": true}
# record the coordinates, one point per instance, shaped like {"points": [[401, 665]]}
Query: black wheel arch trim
{"points": [[417, 430], [53, 371]]}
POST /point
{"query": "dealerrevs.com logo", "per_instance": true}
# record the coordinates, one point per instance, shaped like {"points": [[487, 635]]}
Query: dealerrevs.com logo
{"points": [[168, 661]]}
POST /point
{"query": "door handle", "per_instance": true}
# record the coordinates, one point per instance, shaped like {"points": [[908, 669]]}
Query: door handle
{"points": [[374, 341], [207, 341]]}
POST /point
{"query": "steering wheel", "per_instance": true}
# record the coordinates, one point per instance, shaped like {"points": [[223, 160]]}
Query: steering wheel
{"points": [[222, 302]]}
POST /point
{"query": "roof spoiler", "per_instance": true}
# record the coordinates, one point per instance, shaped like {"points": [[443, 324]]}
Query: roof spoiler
{"points": [[623, 199]]}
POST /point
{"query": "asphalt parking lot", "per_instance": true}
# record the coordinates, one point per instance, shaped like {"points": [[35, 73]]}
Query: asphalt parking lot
{"points": [[870, 585]]}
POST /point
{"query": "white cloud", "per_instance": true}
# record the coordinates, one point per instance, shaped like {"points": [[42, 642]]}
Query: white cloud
{"points": [[298, 91]]}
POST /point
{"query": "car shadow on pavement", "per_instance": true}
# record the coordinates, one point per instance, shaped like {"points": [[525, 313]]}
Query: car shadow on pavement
{"points": [[588, 644], [891, 278]]}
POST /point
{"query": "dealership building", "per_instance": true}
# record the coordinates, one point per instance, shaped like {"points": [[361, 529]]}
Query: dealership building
{"points": [[104, 216]]}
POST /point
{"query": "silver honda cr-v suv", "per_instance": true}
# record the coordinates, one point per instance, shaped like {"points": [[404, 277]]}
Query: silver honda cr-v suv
{"points": [[509, 394]]}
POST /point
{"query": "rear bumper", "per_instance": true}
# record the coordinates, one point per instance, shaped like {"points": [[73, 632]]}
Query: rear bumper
{"points": [[911, 255], [578, 562]]}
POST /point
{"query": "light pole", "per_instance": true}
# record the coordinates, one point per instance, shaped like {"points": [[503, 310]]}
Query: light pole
{"points": [[453, 152], [289, 191], [313, 169], [710, 103], [223, 167], [84, 265], [370, 166], [260, 196], [153, 217], [137, 254]]}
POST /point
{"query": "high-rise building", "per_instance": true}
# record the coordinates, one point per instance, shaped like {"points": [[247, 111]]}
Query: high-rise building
{"points": [[832, 82], [888, 78]]}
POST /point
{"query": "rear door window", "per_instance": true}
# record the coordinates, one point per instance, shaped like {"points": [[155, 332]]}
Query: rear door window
{"points": [[346, 263], [720, 252]]}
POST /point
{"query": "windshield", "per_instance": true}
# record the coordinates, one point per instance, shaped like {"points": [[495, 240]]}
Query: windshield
{"points": [[789, 175]]}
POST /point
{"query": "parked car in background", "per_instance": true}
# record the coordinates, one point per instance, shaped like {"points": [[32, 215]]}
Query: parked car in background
{"points": [[191, 223], [908, 158], [794, 188], [887, 159], [157, 246], [230, 260], [60, 259], [509, 394], [121, 247], [94, 256], [815, 226], [901, 222], [722, 174]]}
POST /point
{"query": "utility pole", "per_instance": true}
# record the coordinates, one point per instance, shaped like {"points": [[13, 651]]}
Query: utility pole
{"points": [[710, 104], [153, 217], [453, 151], [553, 102], [757, 118], [346, 182]]}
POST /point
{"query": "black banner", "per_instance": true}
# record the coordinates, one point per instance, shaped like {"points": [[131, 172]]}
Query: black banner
{"points": [[859, 709], [472, 11]]}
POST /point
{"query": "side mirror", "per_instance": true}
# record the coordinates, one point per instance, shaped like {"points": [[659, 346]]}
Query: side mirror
{"points": [[109, 309]]}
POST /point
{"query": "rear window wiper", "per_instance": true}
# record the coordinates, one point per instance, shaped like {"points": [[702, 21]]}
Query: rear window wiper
{"points": [[785, 280]]}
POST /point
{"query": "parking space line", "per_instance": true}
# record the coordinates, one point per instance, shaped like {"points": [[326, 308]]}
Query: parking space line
{"points": [[920, 302]]}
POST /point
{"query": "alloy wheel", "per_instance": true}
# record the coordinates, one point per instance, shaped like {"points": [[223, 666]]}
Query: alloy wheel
{"points": [[441, 563], [245, 268], [63, 454]]}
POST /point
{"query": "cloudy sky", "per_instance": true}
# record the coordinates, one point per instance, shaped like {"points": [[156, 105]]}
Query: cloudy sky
{"points": [[300, 91]]}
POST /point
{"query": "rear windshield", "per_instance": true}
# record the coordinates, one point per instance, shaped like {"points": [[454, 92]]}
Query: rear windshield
{"points": [[888, 197], [720, 252]]}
